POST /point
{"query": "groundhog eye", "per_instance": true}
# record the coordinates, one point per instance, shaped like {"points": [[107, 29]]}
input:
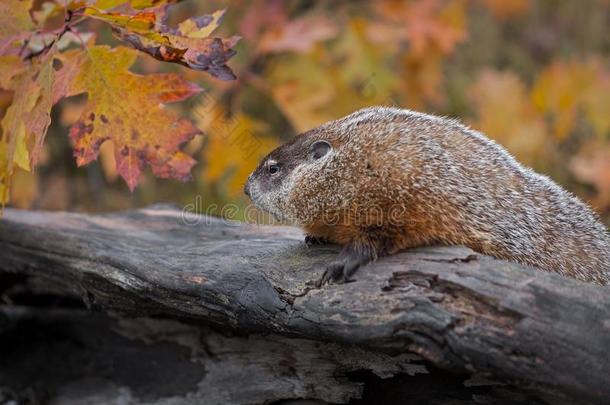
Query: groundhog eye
{"points": [[319, 149], [273, 168]]}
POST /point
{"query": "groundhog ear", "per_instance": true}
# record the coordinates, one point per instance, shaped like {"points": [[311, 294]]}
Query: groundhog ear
{"points": [[319, 149]]}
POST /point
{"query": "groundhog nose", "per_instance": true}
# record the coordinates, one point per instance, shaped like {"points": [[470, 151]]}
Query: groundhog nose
{"points": [[247, 188]]}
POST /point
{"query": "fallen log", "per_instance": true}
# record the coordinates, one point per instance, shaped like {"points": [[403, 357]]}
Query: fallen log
{"points": [[458, 310]]}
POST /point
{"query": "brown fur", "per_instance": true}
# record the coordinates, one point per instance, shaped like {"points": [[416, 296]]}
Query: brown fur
{"points": [[396, 179]]}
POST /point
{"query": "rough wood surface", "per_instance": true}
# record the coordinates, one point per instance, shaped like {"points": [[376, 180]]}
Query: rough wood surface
{"points": [[80, 358], [70, 356], [459, 310]]}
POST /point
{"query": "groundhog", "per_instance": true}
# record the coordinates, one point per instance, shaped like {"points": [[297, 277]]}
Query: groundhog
{"points": [[385, 179]]}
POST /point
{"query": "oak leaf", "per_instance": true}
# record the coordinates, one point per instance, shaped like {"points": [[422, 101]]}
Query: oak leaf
{"points": [[37, 120], [128, 110], [15, 22], [26, 120], [5, 175], [190, 44], [202, 26]]}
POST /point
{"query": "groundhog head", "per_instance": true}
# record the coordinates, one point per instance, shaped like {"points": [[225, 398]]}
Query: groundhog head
{"points": [[319, 176], [287, 181]]}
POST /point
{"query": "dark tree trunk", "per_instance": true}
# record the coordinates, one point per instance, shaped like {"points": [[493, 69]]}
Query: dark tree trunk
{"points": [[238, 300]]}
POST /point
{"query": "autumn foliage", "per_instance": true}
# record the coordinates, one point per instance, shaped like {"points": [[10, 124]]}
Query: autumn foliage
{"points": [[533, 75], [122, 107]]}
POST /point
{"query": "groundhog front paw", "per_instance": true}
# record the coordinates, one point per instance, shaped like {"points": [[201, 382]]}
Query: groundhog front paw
{"points": [[337, 272], [311, 240], [352, 256]]}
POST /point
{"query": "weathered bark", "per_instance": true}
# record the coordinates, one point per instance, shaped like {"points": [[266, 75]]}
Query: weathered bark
{"points": [[458, 310], [105, 360], [70, 356]]}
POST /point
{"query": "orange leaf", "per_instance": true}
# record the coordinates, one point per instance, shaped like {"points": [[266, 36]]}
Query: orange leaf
{"points": [[234, 147], [136, 4], [505, 113], [128, 109], [15, 22], [592, 166], [190, 44], [37, 120], [427, 23], [505, 9], [423, 77], [562, 88], [26, 120]]}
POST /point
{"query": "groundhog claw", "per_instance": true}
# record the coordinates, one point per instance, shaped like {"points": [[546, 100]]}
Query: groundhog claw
{"points": [[311, 240], [333, 272], [341, 270]]}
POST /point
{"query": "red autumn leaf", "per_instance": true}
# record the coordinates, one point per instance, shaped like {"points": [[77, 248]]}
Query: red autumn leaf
{"points": [[127, 109]]}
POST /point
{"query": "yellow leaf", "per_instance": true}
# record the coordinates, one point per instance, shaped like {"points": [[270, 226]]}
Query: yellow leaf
{"points": [[303, 90], [432, 29], [15, 22], [24, 189], [128, 109], [136, 4], [37, 120], [140, 4], [5, 176], [561, 89], [423, 78], [234, 146], [108, 4], [10, 66], [505, 113], [21, 157], [365, 63], [146, 32], [142, 23], [201, 27], [26, 120], [596, 101], [313, 88]]}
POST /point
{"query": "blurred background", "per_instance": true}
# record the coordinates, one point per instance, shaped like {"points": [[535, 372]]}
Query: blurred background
{"points": [[533, 75]]}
